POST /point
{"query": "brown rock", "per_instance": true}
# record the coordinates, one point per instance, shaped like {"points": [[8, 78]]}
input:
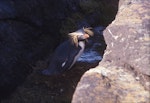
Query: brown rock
{"points": [[128, 38], [126, 62], [109, 85]]}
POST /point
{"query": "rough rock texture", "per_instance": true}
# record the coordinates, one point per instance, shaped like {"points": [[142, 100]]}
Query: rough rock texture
{"points": [[123, 76], [110, 85], [128, 37]]}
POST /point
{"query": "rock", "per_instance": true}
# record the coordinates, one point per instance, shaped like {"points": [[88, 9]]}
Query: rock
{"points": [[116, 86], [128, 39], [130, 32], [123, 75]]}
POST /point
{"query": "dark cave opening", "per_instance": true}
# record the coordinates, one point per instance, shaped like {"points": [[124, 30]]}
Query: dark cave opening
{"points": [[31, 30]]}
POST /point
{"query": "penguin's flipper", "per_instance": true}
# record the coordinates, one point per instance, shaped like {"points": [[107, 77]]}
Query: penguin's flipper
{"points": [[70, 59]]}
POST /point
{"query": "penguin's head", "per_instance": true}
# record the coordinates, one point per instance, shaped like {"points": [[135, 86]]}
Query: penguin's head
{"points": [[80, 35]]}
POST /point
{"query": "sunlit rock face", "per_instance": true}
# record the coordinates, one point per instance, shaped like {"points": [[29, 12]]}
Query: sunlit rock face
{"points": [[123, 75], [129, 35], [109, 85], [128, 39]]}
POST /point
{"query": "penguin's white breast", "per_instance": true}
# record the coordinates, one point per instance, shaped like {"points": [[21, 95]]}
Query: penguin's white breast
{"points": [[82, 45]]}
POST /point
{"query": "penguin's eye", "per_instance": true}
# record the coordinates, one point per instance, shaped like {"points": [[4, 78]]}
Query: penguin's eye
{"points": [[85, 32]]}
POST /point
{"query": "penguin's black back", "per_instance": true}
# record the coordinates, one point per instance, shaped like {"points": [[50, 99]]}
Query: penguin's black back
{"points": [[64, 53]]}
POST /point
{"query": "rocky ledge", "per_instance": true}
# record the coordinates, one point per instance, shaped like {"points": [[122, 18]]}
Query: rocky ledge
{"points": [[123, 75]]}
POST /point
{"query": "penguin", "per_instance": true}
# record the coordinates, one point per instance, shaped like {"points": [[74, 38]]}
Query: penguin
{"points": [[67, 53]]}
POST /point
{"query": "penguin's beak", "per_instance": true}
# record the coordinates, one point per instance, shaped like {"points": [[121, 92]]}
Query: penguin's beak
{"points": [[86, 36], [83, 37]]}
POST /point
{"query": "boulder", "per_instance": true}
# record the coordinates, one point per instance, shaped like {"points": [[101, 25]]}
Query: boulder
{"points": [[109, 85], [123, 75]]}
